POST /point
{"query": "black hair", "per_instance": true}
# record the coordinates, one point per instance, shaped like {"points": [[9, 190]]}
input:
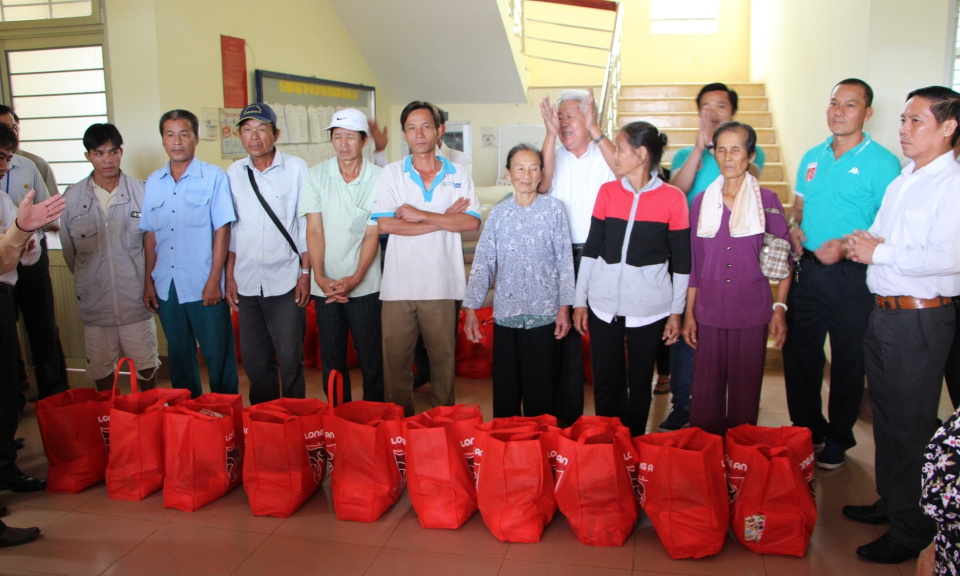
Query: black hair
{"points": [[646, 135], [524, 147], [420, 105], [444, 115], [719, 87], [4, 109], [8, 138], [944, 105], [99, 134], [181, 115], [733, 126], [867, 90]]}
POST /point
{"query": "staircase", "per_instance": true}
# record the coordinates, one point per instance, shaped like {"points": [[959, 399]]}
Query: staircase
{"points": [[673, 109]]}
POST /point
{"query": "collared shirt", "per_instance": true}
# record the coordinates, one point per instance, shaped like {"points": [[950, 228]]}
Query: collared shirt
{"points": [[265, 264], [455, 156], [428, 266], [708, 171], [184, 215], [576, 182], [43, 168], [843, 194], [21, 178], [346, 211], [920, 254], [8, 215], [104, 197]]}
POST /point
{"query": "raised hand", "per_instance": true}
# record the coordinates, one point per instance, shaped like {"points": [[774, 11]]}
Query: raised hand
{"points": [[550, 119], [32, 216]]}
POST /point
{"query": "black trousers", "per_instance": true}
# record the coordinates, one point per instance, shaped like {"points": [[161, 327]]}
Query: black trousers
{"points": [[826, 300], [34, 296], [613, 374], [9, 379], [523, 370], [952, 370], [271, 345], [361, 316], [905, 352], [569, 382]]}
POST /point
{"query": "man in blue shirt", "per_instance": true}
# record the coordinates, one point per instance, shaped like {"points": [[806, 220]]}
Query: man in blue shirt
{"points": [[840, 186], [187, 209], [693, 169]]}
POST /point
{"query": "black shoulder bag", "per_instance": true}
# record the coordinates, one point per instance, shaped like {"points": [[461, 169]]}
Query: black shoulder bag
{"points": [[276, 221]]}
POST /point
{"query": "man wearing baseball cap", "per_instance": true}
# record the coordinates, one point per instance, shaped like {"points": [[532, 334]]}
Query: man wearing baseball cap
{"points": [[343, 243], [268, 269]]}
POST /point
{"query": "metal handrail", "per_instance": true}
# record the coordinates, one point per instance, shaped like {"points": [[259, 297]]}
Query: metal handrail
{"points": [[610, 93]]}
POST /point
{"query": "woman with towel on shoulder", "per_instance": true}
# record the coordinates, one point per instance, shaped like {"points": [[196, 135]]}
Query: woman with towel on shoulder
{"points": [[730, 309]]}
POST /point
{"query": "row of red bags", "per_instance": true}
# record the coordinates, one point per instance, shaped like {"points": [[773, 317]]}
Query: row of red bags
{"points": [[515, 471]]}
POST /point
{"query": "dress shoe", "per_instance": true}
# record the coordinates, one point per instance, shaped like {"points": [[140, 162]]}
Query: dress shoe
{"points": [[865, 514], [20, 443], [886, 550], [3, 509], [15, 536], [20, 482]]}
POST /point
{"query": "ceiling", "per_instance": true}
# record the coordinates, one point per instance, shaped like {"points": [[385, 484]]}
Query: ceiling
{"points": [[445, 51]]}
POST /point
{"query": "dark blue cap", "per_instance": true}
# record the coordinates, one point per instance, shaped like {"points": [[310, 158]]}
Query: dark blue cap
{"points": [[258, 111]]}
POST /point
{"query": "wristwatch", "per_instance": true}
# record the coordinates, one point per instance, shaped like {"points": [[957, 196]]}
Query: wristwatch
{"points": [[305, 270], [599, 138]]}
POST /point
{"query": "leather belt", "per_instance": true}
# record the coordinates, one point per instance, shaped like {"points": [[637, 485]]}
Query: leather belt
{"points": [[809, 256], [911, 303], [5, 289], [578, 249]]}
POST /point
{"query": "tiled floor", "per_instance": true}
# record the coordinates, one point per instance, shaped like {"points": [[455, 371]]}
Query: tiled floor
{"points": [[91, 534]]}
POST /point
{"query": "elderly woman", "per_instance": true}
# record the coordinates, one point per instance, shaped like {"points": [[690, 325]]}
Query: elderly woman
{"points": [[526, 245], [625, 291], [729, 305], [941, 484]]}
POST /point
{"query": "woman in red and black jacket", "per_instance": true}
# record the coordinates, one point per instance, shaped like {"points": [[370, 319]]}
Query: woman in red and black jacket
{"points": [[625, 291]]}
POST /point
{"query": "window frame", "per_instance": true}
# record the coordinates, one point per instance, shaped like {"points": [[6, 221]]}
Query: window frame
{"points": [[95, 18]]}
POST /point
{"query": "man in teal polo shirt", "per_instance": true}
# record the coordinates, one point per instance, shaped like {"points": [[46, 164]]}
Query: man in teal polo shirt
{"points": [[840, 186], [187, 209]]}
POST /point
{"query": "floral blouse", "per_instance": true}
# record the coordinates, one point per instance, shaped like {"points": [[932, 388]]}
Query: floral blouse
{"points": [[940, 498]]}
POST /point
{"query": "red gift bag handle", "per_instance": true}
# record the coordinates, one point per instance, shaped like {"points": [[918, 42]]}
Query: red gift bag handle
{"points": [[335, 383], [133, 376]]}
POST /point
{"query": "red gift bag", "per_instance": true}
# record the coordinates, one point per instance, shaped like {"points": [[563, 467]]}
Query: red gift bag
{"points": [[235, 401], [439, 472], [683, 490], [514, 478], [202, 454], [364, 441], [594, 485], [771, 488], [135, 463], [283, 462], [476, 360], [75, 429]]}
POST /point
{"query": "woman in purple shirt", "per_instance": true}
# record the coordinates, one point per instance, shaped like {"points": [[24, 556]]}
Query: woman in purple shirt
{"points": [[729, 304]]}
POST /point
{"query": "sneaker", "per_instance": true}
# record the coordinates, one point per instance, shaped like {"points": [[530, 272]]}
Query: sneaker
{"points": [[832, 456], [677, 419]]}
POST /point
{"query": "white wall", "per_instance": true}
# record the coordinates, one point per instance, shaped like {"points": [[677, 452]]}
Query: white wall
{"points": [[802, 49]]}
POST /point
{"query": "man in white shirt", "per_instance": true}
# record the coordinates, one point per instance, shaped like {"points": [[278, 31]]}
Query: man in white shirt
{"points": [[913, 255], [268, 268], [424, 202], [573, 173]]}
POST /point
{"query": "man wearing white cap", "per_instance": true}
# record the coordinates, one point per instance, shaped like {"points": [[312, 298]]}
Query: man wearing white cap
{"points": [[268, 268], [343, 242]]}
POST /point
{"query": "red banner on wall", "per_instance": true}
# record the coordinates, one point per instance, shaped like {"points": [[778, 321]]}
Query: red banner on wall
{"points": [[234, 72]]}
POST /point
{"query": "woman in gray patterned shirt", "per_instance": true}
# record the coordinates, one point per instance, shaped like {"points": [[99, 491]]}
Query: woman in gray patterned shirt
{"points": [[525, 244]]}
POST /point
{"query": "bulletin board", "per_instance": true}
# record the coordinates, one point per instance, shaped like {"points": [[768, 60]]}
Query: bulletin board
{"points": [[305, 107]]}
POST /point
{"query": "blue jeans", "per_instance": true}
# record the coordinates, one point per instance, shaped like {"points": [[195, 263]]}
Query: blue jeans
{"points": [[186, 324], [681, 373]]}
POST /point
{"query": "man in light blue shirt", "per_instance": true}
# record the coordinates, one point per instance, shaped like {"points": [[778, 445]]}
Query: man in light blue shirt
{"points": [[840, 187], [187, 209]]}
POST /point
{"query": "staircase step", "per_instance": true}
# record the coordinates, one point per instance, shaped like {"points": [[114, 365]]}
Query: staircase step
{"points": [[691, 119], [685, 104], [681, 90], [773, 172], [688, 136]]}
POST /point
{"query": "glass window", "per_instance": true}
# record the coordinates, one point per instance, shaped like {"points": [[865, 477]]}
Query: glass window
{"points": [[684, 16], [57, 94], [19, 10]]}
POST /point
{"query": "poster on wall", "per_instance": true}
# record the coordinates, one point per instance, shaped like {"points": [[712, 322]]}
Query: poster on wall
{"points": [[230, 145], [305, 107], [234, 59]]}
